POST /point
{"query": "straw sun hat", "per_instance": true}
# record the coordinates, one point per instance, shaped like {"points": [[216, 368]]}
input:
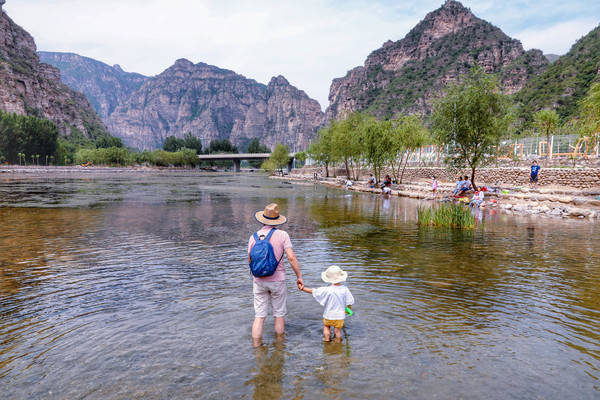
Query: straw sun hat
{"points": [[270, 216], [334, 274]]}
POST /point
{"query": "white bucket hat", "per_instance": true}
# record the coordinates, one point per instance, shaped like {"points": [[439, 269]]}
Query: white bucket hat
{"points": [[334, 274]]}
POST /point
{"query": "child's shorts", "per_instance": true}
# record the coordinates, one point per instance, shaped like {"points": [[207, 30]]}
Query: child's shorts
{"points": [[336, 323]]}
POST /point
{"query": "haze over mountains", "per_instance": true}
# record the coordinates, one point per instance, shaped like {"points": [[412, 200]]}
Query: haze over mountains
{"points": [[213, 103]]}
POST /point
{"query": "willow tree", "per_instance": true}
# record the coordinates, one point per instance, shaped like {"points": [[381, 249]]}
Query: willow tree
{"points": [[408, 135], [321, 150], [471, 119], [590, 115], [348, 144], [547, 122], [280, 157], [377, 142]]}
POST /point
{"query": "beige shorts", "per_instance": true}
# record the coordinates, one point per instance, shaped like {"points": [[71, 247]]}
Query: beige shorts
{"points": [[270, 293]]}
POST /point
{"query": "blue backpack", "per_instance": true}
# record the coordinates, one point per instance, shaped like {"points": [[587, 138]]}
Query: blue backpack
{"points": [[262, 257]]}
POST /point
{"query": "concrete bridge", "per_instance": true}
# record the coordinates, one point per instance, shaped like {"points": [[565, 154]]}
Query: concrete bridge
{"points": [[237, 158]]}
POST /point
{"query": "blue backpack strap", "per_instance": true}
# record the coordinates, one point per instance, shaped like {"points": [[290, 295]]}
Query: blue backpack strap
{"points": [[269, 237], [270, 234]]}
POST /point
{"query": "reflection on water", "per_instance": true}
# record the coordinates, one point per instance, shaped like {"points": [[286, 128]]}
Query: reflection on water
{"points": [[268, 374], [136, 286]]}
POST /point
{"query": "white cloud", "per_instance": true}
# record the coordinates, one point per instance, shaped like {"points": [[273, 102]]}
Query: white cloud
{"points": [[557, 38], [309, 42]]}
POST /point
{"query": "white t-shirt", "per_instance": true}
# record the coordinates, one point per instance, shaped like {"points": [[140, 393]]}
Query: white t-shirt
{"points": [[334, 299]]}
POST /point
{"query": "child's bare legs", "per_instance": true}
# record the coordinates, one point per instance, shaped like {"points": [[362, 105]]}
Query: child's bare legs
{"points": [[338, 334], [326, 334]]}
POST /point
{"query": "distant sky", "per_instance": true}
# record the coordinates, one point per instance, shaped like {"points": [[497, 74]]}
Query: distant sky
{"points": [[310, 42]]}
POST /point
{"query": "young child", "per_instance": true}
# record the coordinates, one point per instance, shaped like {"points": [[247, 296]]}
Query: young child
{"points": [[477, 199], [434, 184], [334, 298]]}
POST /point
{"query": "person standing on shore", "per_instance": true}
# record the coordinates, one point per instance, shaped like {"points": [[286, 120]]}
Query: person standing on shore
{"points": [[535, 170], [270, 289]]}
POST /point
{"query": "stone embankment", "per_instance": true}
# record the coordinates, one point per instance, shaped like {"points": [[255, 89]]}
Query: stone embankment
{"points": [[520, 198]]}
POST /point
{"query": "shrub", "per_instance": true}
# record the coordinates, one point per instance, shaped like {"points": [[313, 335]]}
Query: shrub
{"points": [[269, 166], [446, 216]]}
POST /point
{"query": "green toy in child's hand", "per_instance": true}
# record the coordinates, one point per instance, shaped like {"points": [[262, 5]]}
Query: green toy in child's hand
{"points": [[349, 311]]}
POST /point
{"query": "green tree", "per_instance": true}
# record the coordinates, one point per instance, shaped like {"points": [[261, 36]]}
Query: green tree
{"points": [[378, 142], [254, 147], [547, 121], [280, 157], [11, 145], [301, 157], [223, 146], [590, 115], [322, 150], [268, 166], [192, 142], [408, 136], [104, 142], [173, 144], [471, 119], [26, 135], [348, 143]]}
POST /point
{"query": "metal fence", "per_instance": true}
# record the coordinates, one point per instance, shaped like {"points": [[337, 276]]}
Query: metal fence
{"points": [[560, 146]]}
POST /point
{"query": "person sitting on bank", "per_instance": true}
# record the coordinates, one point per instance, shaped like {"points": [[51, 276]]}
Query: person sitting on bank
{"points": [[535, 170], [477, 199], [467, 185], [387, 181], [459, 186]]}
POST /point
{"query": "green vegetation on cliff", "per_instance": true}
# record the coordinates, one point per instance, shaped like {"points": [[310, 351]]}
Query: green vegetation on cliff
{"points": [[26, 139], [565, 82]]}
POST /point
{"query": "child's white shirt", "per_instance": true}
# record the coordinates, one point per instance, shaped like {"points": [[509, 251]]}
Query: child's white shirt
{"points": [[334, 299]]}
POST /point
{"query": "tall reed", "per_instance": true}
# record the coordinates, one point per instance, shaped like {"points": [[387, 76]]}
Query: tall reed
{"points": [[446, 215]]}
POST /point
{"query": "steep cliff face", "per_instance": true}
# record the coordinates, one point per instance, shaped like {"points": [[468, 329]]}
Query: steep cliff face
{"points": [[105, 87], [405, 75], [292, 117], [213, 103], [32, 88]]}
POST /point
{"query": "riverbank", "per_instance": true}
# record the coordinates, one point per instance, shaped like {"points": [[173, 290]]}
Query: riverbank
{"points": [[552, 201], [49, 171]]}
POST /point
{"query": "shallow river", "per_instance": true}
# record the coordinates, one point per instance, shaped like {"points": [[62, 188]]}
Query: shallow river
{"points": [[137, 287]]}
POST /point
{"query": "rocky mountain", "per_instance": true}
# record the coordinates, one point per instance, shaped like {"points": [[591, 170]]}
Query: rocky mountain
{"points": [[29, 87], [566, 81], [105, 86], [214, 103], [407, 74]]}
